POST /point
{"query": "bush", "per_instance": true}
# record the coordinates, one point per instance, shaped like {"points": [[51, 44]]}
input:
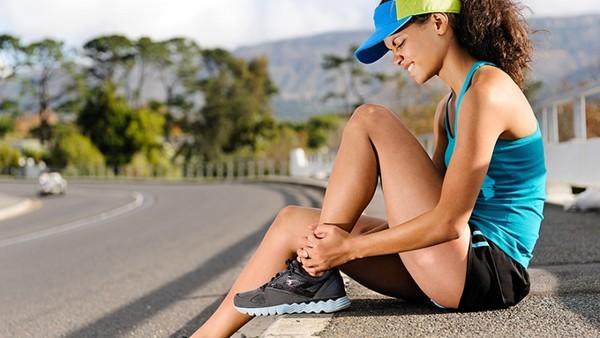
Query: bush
{"points": [[9, 158], [153, 164], [325, 130], [7, 125], [72, 149]]}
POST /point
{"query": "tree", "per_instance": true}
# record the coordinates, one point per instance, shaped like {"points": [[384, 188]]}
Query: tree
{"points": [[7, 124], [251, 110], [118, 131], [105, 119], [112, 57], [9, 157], [178, 63], [51, 79], [236, 113], [354, 81], [321, 128], [146, 131], [72, 149], [13, 58], [149, 54]]}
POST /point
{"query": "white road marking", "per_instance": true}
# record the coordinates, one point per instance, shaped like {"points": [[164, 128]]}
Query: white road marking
{"points": [[82, 223]]}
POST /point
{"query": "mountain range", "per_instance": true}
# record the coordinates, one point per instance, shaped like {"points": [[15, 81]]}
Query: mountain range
{"points": [[567, 53]]}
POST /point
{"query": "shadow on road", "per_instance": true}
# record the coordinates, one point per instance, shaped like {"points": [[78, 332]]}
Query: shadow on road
{"points": [[123, 320]]}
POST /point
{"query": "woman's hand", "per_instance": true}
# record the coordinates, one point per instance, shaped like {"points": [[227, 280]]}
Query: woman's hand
{"points": [[326, 247]]}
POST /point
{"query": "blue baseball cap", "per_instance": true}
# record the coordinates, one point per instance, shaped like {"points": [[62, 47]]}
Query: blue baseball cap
{"points": [[391, 16]]}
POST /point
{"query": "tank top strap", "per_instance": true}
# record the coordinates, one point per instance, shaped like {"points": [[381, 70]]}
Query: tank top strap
{"points": [[466, 86]]}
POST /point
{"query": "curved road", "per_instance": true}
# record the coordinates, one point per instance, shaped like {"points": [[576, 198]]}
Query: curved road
{"points": [[130, 259]]}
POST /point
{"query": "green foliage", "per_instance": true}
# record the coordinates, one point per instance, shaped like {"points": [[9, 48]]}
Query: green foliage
{"points": [[216, 104], [7, 125], [148, 54], [33, 150], [178, 70], [109, 54], [10, 107], [9, 157], [105, 119], [323, 129], [284, 140], [237, 113], [72, 149], [146, 130], [51, 80], [120, 132], [154, 164]]}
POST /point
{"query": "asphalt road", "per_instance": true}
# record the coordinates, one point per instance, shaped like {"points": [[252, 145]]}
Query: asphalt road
{"points": [[130, 259]]}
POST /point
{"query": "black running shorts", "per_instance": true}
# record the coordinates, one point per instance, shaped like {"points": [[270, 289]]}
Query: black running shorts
{"points": [[494, 280]]}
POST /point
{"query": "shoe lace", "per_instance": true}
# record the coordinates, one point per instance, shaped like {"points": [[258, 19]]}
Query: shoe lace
{"points": [[289, 268]]}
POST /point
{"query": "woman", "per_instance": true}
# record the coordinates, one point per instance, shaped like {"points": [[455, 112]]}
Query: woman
{"points": [[469, 216]]}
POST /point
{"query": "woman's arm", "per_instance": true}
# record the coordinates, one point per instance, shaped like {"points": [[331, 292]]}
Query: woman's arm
{"points": [[489, 109], [482, 119]]}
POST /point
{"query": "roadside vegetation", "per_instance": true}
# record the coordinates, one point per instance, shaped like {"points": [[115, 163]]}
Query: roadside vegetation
{"points": [[130, 105], [171, 107]]}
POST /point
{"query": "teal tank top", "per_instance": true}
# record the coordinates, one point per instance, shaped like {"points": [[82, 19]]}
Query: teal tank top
{"points": [[510, 204]]}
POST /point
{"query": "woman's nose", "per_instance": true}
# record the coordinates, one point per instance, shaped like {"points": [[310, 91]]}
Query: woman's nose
{"points": [[397, 58]]}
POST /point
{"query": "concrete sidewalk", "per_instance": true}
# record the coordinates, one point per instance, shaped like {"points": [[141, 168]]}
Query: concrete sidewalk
{"points": [[564, 300]]}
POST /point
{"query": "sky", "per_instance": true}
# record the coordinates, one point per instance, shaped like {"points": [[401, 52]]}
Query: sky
{"points": [[211, 23]]}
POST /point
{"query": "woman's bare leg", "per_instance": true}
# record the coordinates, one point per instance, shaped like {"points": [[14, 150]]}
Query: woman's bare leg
{"points": [[280, 243], [375, 141], [350, 189]]}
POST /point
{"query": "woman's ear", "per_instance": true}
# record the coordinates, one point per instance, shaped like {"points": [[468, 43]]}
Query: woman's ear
{"points": [[441, 22]]}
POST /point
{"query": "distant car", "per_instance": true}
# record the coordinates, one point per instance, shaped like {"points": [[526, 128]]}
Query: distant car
{"points": [[52, 184]]}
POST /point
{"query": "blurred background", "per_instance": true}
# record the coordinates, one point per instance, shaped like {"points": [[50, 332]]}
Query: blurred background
{"points": [[222, 89]]}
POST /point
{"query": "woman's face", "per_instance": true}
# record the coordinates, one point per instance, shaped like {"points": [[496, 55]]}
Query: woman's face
{"points": [[416, 48]]}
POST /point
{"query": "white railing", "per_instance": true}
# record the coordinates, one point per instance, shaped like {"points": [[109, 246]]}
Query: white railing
{"points": [[316, 165], [576, 161], [211, 171]]}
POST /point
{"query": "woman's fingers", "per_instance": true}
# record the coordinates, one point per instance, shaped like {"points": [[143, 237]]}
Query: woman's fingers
{"points": [[302, 253]]}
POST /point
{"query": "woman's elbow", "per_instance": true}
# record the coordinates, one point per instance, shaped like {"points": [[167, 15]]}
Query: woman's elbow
{"points": [[453, 229]]}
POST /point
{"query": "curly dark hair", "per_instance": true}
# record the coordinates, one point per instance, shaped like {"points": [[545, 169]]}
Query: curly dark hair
{"points": [[495, 31]]}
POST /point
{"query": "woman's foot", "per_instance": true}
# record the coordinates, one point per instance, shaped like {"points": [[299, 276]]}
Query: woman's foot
{"points": [[294, 291]]}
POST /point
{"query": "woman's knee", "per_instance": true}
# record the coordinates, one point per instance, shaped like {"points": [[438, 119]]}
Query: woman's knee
{"points": [[371, 113], [294, 219], [368, 116]]}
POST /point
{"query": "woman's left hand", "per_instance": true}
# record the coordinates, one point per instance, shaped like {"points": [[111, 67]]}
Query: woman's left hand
{"points": [[325, 248]]}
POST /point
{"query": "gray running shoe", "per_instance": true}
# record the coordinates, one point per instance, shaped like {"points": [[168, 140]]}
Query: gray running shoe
{"points": [[294, 291]]}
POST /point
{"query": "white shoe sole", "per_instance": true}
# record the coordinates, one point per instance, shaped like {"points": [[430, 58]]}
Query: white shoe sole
{"points": [[331, 305]]}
